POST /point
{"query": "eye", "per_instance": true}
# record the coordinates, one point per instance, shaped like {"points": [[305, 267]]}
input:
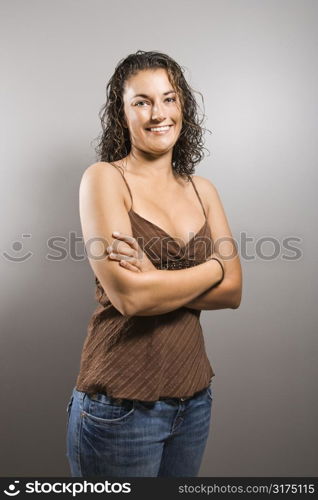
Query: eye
{"points": [[172, 99]]}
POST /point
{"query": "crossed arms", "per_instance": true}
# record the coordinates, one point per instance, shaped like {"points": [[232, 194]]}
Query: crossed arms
{"points": [[102, 210]]}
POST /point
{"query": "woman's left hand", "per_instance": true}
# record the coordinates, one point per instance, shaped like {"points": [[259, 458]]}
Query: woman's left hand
{"points": [[126, 250]]}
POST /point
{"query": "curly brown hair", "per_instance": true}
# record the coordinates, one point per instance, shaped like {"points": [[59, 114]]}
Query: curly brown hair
{"points": [[114, 142]]}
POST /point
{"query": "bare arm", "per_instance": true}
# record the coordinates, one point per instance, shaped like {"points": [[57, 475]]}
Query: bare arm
{"points": [[228, 293], [158, 292], [102, 211], [221, 296]]}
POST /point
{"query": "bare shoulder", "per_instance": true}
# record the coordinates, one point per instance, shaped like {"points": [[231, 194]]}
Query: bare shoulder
{"points": [[103, 182], [205, 184], [101, 170], [206, 189], [103, 179]]}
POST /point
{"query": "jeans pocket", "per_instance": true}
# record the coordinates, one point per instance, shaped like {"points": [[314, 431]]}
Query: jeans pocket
{"points": [[68, 409], [103, 410], [69, 404], [209, 392]]}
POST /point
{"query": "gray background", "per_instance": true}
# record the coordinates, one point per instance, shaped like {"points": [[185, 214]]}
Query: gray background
{"points": [[255, 63]]}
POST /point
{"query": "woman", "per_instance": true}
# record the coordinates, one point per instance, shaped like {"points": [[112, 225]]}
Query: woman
{"points": [[142, 401]]}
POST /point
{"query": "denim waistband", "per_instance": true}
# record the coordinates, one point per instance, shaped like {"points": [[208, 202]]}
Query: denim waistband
{"points": [[161, 398]]}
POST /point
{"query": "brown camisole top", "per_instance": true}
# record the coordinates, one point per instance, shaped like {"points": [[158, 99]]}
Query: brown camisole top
{"points": [[148, 357]]}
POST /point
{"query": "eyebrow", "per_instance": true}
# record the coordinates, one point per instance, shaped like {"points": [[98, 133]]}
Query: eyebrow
{"points": [[145, 95]]}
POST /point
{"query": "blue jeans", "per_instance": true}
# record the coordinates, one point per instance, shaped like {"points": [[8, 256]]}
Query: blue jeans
{"points": [[122, 438]]}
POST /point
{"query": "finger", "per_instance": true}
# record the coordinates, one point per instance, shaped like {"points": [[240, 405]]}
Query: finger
{"points": [[124, 247], [118, 247], [127, 265], [132, 260], [115, 256], [125, 254], [121, 247], [126, 237]]}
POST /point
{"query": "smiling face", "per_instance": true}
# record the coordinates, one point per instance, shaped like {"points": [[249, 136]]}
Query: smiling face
{"points": [[151, 102]]}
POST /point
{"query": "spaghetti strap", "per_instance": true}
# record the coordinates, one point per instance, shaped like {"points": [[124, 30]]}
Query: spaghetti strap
{"points": [[198, 195], [123, 176]]}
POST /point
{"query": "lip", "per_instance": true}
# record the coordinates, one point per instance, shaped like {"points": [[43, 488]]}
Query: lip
{"points": [[160, 132]]}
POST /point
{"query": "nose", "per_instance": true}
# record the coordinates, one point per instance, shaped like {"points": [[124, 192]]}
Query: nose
{"points": [[157, 114]]}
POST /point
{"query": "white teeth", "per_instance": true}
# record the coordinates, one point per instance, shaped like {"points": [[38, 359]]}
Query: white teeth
{"points": [[158, 129]]}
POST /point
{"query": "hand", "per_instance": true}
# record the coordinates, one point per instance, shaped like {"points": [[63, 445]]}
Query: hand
{"points": [[126, 250]]}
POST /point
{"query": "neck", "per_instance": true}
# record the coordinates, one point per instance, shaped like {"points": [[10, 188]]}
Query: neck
{"points": [[150, 167]]}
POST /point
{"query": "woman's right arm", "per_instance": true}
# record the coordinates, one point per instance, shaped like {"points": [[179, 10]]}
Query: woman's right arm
{"points": [[102, 211]]}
